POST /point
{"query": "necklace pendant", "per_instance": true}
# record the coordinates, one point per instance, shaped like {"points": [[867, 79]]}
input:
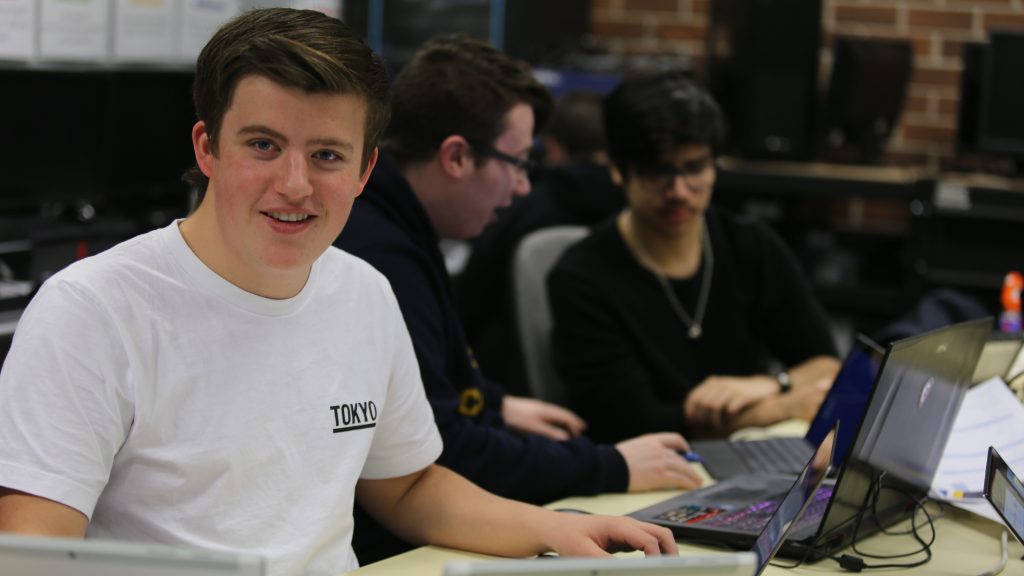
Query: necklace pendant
{"points": [[695, 331]]}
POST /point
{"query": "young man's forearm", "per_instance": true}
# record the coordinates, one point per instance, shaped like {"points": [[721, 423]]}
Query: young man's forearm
{"points": [[442, 508]]}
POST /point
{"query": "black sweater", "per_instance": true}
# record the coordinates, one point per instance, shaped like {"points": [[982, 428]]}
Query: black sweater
{"points": [[624, 354]]}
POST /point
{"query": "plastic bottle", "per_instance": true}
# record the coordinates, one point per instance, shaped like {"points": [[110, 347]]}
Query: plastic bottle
{"points": [[1009, 319]]}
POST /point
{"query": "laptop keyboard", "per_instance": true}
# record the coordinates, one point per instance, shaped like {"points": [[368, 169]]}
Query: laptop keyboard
{"points": [[774, 454], [751, 518], [690, 514]]}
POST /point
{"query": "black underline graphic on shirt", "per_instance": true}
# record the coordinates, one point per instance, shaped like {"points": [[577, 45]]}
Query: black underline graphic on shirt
{"points": [[350, 428]]}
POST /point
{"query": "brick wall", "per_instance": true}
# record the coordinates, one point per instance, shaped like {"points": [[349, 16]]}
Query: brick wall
{"points": [[937, 30]]}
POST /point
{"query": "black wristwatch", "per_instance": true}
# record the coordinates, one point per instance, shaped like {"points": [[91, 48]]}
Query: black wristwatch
{"points": [[785, 383]]}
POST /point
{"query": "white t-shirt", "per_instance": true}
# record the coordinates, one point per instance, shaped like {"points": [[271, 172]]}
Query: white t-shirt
{"points": [[169, 405]]}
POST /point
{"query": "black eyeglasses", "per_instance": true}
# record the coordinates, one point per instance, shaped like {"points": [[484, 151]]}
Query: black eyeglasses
{"points": [[659, 177], [485, 149]]}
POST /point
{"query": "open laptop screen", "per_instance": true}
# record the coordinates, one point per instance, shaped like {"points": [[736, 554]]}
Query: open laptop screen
{"points": [[796, 500], [916, 400], [848, 398], [1005, 491]]}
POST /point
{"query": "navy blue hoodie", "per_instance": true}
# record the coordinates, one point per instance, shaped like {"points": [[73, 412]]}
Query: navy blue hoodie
{"points": [[390, 229]]}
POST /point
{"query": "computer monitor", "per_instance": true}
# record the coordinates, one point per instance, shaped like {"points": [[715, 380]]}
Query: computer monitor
{"points": [[52, 144], [762, 65], [118, 141], [408, 24], [543, 32], [865, 96], [537, 31], [1000, 122], [147, 143], [972, 58]]}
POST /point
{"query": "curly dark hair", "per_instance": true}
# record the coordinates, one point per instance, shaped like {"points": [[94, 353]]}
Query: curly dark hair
{"points": [[648, 117]]}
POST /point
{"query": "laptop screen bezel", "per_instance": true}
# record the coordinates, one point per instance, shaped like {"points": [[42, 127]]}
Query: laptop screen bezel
{"points": [[997, 469]]}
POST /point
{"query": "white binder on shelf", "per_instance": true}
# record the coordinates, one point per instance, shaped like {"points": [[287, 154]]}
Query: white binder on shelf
{"points": [[200, 20], [74, 30], [17, 29], [146, 30]]}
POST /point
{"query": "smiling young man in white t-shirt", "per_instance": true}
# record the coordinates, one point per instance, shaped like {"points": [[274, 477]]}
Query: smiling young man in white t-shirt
{"points": [[233, 382]]}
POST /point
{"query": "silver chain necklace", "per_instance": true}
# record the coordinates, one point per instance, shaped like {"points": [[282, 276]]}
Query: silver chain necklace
{"points": [[694, 327]]}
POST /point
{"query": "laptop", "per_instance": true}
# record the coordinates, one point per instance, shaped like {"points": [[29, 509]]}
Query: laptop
{"points": [[846, 401], [776, 525], [898, 445], [914, 407], [736, 564], [41, 556], [1005, 491]]}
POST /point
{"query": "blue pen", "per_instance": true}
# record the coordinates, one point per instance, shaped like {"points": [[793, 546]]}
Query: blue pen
{"points": [[691, 456]]}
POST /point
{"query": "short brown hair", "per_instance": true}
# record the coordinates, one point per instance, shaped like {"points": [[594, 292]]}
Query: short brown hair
{"points": [[456, 84], [301, 49]]}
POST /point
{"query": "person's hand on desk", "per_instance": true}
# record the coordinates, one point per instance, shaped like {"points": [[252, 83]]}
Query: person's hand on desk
{"points": [[803, 402], [718, 399], [655, 463], [812, 380], [800, 403], [583, 535], [437, 506], [530, 416], [723, 404]]}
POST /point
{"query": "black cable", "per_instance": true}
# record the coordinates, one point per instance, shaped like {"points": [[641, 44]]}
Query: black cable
{"points": [[918, 505], [855, 562], [812, 549]]}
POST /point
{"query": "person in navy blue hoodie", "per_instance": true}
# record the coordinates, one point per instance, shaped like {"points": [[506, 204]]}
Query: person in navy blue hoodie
{"points": [[463, 120]]}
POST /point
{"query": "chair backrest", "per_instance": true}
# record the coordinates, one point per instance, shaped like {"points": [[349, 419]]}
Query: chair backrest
{"points": [[8, 322], [534, 258]]}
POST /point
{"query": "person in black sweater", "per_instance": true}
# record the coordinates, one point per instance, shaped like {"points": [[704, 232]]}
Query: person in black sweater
{"points": [[463, 119], [672, 316], [573, 186]]}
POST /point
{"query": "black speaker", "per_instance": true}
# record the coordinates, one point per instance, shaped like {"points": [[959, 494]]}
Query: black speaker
{"points": [[865, 97], [543, 32], [973, 57], [763, 70]]}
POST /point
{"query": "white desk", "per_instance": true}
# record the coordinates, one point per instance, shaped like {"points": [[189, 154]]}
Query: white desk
{"points": [[965, 544]]}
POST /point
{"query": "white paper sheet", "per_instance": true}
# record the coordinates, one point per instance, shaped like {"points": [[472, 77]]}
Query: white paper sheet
{"points": [[991, 415]]}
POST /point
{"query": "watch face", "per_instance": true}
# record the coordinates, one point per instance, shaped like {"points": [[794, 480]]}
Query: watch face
{"points": [[785, 384]]}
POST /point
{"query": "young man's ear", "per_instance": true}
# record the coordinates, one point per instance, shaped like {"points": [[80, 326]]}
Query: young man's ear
{"points": [[203, 148], [369, 168], [456, 157]]}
